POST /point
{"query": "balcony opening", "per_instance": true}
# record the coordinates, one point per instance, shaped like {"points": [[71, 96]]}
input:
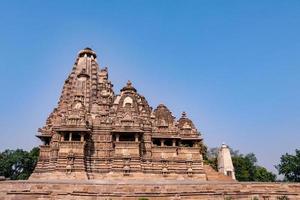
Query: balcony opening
{"points": [[156, 142], [168, 143], [130, 137], [187, 143], [66, 136], [47, 141], [76, 136]]}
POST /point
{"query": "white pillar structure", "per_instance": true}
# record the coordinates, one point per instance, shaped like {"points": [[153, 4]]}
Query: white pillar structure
{"points": [[225, 165]]}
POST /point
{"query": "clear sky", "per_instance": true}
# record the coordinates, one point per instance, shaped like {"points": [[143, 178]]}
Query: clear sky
{"points": [[233, 66]]}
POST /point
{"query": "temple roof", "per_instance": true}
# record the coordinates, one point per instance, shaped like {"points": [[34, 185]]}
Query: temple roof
{"points": [[185, 123], [87, 51], [88, 99], [128, 87]]}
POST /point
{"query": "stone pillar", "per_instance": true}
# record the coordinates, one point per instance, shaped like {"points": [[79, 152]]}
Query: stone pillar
{"points": [[147, 142], [70, 136], [117, 137], [136, 137], [174, 143], [62, 138], [162, 142], [81, 137]]}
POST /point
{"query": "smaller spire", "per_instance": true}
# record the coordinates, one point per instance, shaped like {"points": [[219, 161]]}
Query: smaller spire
{"points": [[183, 114], [225, 165], [128, 87], [161, 105]]}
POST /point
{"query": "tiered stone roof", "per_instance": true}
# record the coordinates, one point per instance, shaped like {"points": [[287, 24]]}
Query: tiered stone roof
{"points": [[94, 132]]}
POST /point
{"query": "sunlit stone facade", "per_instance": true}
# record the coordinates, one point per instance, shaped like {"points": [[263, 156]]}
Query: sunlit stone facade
{"points": [[95, 133]]}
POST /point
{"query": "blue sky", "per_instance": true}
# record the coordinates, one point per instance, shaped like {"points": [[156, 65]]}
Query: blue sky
{"points": [[233, 66]]}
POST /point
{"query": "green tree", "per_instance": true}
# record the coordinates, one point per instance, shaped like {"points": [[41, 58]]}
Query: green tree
{"points": [[263, 175], [244, 167], [18, 164], [290, 166]]}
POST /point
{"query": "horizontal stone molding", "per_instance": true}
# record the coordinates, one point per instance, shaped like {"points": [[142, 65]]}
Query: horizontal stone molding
{"points": [[150, 189]]}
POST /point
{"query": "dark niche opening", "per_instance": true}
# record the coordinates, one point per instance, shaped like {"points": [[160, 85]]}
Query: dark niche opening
{"points": [[127, 137], [229, 173], [156, 142], [66, 136], [47, 141], [75, 136], [187, 143], [168, 143]]}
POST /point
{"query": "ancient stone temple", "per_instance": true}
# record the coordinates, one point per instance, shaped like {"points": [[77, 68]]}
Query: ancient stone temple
{"points": [[115, 146], [95, 133]]}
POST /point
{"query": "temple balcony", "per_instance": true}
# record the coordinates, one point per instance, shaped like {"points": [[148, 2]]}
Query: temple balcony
{"points": [[45, 138], [77, 147], [164, 153], [72, 141], [127, 144], [189, 153], [127, 149]]}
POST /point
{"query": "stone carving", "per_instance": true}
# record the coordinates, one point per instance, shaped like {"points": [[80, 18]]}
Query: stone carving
{"points": [[70, 162]]}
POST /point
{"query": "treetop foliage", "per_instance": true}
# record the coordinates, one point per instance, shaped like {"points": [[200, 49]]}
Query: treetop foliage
{"points": [[290, 166], [18, 164]]}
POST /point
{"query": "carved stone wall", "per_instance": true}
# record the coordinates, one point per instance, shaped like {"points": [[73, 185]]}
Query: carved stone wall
{"points": [[94, 133]]}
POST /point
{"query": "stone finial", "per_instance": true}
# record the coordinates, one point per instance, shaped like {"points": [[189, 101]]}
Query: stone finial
{"points": [[224, 145], [88, 48], [183, 114], [161, 105], [128, 87]]}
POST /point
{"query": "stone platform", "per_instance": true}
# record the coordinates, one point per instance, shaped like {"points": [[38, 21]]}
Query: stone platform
{"points": [[150, 189]]}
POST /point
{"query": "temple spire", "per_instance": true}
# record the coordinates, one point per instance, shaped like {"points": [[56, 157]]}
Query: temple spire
{"points": [[128, 87]]}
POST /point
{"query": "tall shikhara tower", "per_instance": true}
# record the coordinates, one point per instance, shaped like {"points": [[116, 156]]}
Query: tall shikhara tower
{"points": [[96, 134]]}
